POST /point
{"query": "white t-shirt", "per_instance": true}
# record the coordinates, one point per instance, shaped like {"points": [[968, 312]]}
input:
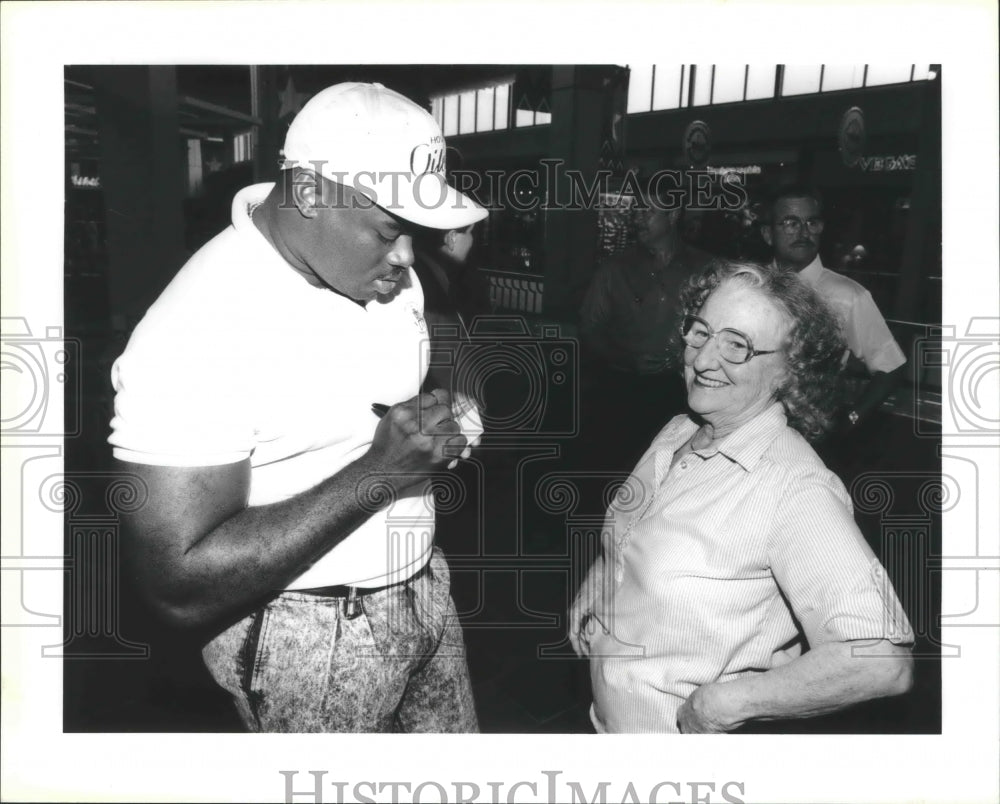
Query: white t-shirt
{"points": [[241, 358]]}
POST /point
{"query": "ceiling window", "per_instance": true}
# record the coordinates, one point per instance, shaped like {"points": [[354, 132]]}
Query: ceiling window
{"points": [[501, 106], [666, 92], [640, 89], [485, 112], [842, 76], [879, 74], [476, 110], [243, 147], [760, 81], [658, 87], [800, 79], [701, 75], [728, 83], [450, 119]]}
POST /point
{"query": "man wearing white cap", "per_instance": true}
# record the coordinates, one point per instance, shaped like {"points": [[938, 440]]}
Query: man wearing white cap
{"points": [[284, 514]]}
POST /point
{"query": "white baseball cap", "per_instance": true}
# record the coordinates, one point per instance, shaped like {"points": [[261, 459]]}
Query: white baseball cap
{"points": [[385, 147]]}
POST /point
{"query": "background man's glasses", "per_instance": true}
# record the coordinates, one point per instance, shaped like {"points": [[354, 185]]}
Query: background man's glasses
{"points": [[793, 225], [734, 346]]}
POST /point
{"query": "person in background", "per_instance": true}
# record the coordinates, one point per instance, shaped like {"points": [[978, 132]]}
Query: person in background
{"points": [[455, 295], [454, 290], [734, 584], [288, 517], [792, 227], [627, 321]]}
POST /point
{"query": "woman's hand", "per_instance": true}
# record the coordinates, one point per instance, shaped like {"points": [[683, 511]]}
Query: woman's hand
{"points": [[827, 678], [707, 711], [581, 622]]}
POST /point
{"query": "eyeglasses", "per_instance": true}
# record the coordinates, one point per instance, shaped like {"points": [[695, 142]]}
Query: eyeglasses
{"points": [[734, 346], [793, 225]]}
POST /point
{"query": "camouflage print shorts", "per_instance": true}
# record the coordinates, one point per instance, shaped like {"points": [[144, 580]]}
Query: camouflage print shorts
{"points": [[300, 665]]}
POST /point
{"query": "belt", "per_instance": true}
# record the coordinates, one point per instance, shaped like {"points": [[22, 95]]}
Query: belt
{"points": [[354, 595]]}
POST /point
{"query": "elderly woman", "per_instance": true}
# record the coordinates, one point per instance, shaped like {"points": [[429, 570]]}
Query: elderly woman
{"points": [[734, 584]]}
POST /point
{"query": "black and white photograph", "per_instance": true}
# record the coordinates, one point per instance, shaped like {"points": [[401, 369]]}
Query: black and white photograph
{"points": [[573, 399]]}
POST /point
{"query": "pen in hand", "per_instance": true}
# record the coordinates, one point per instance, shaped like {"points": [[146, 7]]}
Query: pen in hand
{"points": [[380, 409]]}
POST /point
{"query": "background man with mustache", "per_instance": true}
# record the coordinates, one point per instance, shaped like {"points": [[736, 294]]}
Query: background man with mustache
{"points": [[792, 228]]}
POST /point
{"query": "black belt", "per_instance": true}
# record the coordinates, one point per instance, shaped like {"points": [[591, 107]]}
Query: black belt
{"points": [[342, 591], [353, 595]]}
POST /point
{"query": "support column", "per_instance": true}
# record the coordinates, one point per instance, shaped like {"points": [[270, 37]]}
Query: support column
{"points": [[143, 175], [922, 246], [268, 140], [576, 130]]}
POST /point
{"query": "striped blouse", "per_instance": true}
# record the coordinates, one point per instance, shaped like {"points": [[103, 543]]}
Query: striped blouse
{"points": [[718, 567]]}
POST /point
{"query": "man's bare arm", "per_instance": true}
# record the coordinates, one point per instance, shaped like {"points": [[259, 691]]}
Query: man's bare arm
{"points": [[201, 556]]}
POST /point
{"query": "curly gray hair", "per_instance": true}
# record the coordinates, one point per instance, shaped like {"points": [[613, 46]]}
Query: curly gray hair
{"points": [[812, 351]]}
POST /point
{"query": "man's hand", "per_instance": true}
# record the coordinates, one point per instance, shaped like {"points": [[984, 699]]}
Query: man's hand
{"points": [[869, 401], [706, 711], [415, 436]]}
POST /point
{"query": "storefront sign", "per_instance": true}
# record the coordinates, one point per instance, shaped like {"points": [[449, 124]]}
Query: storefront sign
{"points": [[851, 136], [888, 164], [746, 170], [92, 182], [697, 143]]}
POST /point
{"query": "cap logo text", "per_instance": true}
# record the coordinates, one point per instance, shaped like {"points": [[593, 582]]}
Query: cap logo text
{"points": [[427, 158]]}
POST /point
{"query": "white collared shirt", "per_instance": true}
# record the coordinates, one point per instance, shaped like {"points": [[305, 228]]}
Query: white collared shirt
{"points": [[714, 563], [867, 335]]}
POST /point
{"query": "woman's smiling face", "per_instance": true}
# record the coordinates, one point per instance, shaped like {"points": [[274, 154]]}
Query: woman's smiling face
{"points": [[728, 395]]}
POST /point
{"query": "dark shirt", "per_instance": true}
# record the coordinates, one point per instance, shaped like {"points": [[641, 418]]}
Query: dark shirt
{"points": [[629, 316], [451, 291], [454, 296]]}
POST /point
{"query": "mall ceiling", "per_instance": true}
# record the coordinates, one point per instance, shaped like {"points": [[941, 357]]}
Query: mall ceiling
{"points": [[215, 100]]}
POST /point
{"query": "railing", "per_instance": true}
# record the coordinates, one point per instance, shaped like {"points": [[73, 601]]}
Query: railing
{"points": [[518, 292]]}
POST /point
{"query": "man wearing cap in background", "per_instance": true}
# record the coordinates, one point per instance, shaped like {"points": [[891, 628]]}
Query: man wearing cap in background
{"points": [[792, 228], [284, 516]]}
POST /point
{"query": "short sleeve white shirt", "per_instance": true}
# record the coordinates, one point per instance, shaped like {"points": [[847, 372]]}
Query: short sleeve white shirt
{"points": [[867, 335], [241, 359]]}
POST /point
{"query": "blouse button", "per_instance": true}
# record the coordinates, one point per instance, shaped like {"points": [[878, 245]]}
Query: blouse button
{"points": [[684, 464]]}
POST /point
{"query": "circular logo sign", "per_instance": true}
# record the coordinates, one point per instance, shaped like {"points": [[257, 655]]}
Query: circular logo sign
{"points": [[697, 143], [851, 136]]}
